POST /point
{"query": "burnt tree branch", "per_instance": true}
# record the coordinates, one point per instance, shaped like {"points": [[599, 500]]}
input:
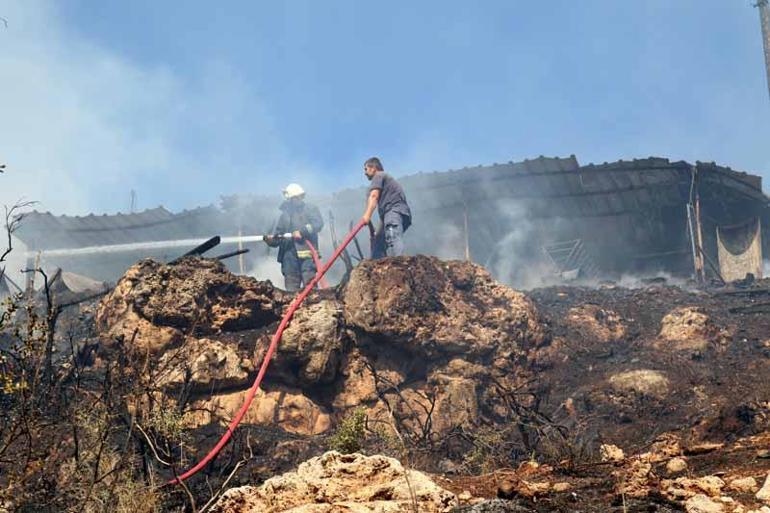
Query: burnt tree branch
{"points": [[13, 218], [52, 316]]}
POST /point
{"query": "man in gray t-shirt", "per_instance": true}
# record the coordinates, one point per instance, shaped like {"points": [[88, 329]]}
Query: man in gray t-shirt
{"points": [[386, 194]]}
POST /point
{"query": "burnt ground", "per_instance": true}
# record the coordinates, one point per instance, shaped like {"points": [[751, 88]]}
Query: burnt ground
{"points": [[718, 392], [698, 362], [593, 485]]}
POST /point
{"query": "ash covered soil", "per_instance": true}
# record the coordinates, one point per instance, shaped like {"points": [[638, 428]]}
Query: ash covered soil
{"points": [[558, 399]]}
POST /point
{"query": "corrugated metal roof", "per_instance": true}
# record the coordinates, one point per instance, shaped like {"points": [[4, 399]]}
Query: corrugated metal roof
{"points": [[43, 230], [541, 187]]}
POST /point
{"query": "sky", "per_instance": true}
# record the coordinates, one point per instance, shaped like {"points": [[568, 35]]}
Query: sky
{"points": [[183, 102]]}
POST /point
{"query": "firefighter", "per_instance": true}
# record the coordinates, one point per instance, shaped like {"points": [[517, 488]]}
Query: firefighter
{"points": [[386, 195], [304, 222]]}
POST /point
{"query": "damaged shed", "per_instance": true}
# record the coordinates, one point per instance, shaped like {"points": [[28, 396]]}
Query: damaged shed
{"points": [[529, 222]]}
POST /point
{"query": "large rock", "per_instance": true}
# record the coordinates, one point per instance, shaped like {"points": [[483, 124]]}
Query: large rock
{"points": [[676, 466], [282, 407], [743, 485], [363, 379], [457, 403], [685, 487], [702, 504], [644, 381], [204, 364], [435, 344], [311, 348], [335, 482], [432, 308], [156, 305]]}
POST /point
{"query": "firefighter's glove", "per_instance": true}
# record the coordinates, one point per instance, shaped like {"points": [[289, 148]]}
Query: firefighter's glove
{"points": [[306, 231]]}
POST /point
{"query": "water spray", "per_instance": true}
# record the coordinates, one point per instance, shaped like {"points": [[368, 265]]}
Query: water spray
{"points": [[155, 245]]}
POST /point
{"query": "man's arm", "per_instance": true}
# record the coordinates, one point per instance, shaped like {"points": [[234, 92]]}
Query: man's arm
{"points": [[371, 204]]}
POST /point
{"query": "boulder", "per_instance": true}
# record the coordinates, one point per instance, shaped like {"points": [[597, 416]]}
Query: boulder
{"points": [[311, 347], [743, 485], [702, 504], [281, 407], [205, 364], [613, 453], [155, 305], [645, 382], [684, 487], [676, 466], [336, 482], [433, 308]]}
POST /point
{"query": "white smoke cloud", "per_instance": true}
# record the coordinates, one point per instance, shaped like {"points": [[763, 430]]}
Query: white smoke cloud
{"points": [[267, 268], [82, 125]]}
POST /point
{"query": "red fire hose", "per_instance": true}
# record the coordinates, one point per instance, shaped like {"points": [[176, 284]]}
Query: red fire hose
{"points": [[268, 355], [322, 283]]}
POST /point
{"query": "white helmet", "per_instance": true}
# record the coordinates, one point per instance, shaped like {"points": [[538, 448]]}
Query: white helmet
{"points": [[293, 190]]}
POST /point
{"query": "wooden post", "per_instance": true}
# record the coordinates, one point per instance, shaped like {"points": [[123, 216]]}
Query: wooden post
{"points": [[695, 225], [691, 237], [699, 238], [29, 285], [33, 265]]}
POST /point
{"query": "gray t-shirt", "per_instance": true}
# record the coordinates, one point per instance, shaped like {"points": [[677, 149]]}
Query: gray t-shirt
{"points": [[392, 197]]}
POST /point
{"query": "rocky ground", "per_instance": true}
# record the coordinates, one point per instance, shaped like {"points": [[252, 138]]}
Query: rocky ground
{"points": [[561, 399]]}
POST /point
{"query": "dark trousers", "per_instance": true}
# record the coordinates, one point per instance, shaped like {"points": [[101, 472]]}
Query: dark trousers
{"points": [[389, 241], [297, 272]]}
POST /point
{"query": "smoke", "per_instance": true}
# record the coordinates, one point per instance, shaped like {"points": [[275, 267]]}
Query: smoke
{"points": [[502, 236], [511, 260], [644, 280], [267, 268], [83, 125], [451, 241]]}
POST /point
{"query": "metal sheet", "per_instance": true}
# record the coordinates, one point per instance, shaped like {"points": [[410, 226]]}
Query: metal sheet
{"points": [[740, 250]]}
